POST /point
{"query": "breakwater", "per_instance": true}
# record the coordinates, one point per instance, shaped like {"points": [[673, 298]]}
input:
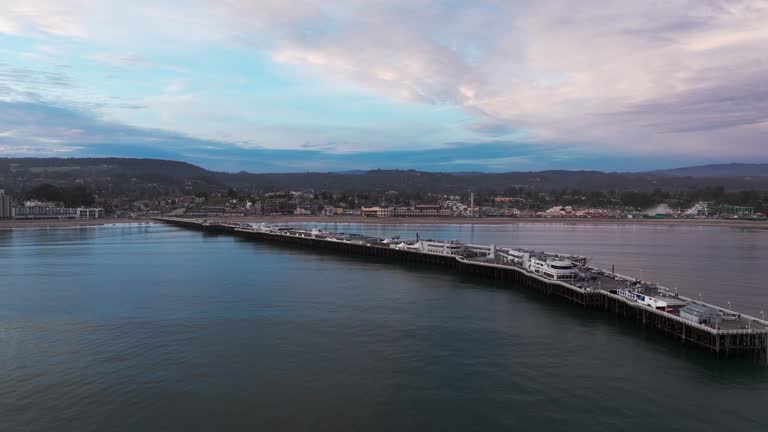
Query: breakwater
{"points": [[744, 335]]}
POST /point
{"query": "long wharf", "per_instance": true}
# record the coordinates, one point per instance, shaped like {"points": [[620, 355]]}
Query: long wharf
{"points": [[705, 326]]}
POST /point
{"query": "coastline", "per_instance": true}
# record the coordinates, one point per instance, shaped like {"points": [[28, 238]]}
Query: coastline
{"points": [[68, 223], [722, 223], [725, 223]]}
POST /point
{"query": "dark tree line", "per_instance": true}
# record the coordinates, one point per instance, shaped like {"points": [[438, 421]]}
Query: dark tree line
{"points": [[75, 196]]}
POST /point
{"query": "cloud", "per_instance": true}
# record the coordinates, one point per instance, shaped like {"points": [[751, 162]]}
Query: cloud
{"points": [[34, 129], [123, 59], [494, 128], [131, 59], [22, 79], [727, 99], [64, 128], [35, 17], [675, 78], [634, 76]]}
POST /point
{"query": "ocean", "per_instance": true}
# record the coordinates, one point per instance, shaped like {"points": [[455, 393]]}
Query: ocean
{"points": [[152, 327]]}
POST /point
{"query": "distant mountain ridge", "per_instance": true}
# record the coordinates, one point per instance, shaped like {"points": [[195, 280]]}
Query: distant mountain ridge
{"points": [[719, 170], [85, 165], [157, 178]]}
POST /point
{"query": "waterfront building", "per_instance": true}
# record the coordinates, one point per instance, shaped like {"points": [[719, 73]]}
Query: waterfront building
{"points": [[6, 205], [377, 211], [739, 212], [53, 213], [90, 213], [416, 211], [434, 246], [700, 314], [552, 268], [422, 211], [38, 212]]}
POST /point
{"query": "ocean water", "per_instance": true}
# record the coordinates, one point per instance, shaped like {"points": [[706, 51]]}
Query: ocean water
{"points": [[151, 327]]}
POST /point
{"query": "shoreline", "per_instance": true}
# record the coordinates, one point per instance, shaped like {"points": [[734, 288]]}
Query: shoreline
{"points": [[68, 223], [722, 223], [499, 221]]}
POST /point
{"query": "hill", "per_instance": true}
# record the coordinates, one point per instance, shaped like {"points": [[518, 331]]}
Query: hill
{"points": [[149, 178], [719, 170], [136, 178], [431, 182]]}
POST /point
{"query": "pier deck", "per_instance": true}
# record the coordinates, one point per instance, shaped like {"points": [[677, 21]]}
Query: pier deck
{"points": [[738, 335]]}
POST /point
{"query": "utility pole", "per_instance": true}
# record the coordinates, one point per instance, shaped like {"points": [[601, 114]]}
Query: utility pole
{"points": [[471, 204]]}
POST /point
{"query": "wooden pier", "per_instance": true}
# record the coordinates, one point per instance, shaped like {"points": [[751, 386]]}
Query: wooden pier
{"points": [[724, 342]]}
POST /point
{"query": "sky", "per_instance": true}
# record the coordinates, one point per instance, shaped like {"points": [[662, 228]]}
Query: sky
{"points": [[310, 85]]}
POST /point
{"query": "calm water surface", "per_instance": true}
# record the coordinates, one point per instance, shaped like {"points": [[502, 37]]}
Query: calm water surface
{"points": [[133, 327]]}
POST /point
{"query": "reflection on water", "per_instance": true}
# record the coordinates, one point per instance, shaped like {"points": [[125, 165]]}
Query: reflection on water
{"points": [[721, 264]]}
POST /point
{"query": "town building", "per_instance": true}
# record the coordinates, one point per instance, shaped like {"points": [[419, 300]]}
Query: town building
{"points": [[90, 213], [739, 212], [422, 211], [40, 212], [377, 211], [6, 205], [416, 211], [53, 213], [332, 211]]}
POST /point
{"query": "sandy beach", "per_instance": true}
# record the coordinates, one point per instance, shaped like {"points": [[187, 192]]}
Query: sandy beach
{"points": [[39, 224], [725, 223]]}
